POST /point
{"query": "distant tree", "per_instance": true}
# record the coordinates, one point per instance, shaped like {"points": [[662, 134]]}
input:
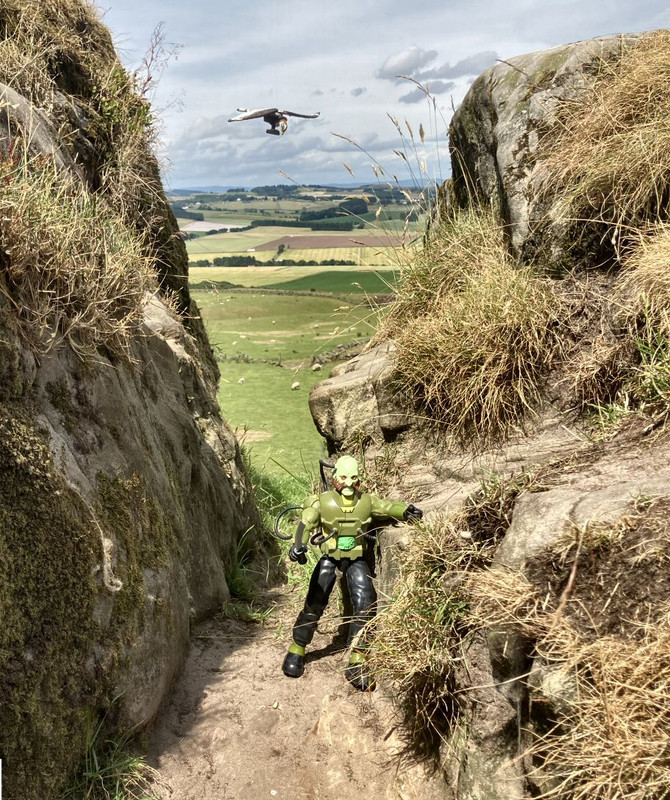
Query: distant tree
{"points": [[354, 205]]}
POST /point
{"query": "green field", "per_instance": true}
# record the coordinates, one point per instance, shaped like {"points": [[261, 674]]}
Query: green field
{"points": [[264, 342], [277, 277], [256, 397], [339, 281], [235, 241]]}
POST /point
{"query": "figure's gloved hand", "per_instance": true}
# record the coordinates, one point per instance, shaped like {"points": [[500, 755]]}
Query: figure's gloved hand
{"points": [[298, 554], [412, 514]]}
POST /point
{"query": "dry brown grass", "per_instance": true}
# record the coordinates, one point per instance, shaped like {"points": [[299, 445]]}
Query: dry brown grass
{"points": [[418, 636], [80, 252], [645, 280], [71, 267], [609, 157], [610, 737], [49, 45], [475, 331]]}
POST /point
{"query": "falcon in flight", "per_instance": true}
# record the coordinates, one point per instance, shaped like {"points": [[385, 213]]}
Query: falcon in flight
{"points": [[275, 118]]}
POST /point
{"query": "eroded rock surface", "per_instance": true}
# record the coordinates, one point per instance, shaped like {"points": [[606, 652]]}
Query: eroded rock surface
{"points": [[496, 131]]}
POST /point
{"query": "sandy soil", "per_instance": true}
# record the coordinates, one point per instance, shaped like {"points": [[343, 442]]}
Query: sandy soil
{"points": [[237, 729]]}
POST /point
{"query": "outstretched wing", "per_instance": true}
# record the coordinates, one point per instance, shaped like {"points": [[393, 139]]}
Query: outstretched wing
{"points": [[295, 114], [253, 114]]}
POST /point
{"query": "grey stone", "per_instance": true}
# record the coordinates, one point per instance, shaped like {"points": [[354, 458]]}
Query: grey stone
{"points": [[495, 132]]}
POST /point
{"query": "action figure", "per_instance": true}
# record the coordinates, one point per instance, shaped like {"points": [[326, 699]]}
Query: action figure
{"points": [[345, 516]]}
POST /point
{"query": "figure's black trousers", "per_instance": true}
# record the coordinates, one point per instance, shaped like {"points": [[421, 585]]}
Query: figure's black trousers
{"points": [[361, 591]]}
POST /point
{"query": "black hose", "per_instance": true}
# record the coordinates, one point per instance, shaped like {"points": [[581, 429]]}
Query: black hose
{"points": [[324, 480], [278, 518]]}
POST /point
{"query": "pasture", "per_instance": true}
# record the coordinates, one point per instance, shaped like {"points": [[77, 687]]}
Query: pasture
{"points": [[265, 342], [276, 277]]}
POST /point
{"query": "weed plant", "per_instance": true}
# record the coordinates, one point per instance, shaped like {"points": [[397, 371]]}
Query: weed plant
{"points": [[111, 771]]}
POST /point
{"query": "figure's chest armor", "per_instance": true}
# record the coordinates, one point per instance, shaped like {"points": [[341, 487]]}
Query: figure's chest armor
{"points": [[345, 520]]}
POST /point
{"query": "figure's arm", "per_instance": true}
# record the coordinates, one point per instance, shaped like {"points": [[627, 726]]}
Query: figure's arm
{"points": [[395, 509], [309, 519]]}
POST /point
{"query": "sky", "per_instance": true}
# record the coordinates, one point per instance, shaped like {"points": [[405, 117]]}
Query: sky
{"points": [[341, 59]]}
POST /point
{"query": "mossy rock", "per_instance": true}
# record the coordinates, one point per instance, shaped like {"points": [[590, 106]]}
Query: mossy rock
{"points": [[48, 552]]}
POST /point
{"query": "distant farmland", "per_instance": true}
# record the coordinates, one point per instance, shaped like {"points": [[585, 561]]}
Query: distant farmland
{"points": [[321, 241], [326, 279], [376, 248]]}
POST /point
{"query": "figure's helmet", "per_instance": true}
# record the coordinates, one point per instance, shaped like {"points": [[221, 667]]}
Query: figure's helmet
{"points": [[345, 476]]}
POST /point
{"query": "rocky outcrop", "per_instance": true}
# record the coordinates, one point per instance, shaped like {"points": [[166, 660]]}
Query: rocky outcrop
{"points": [[496, 131], [358, 400], [124, 499], [564, 480]]}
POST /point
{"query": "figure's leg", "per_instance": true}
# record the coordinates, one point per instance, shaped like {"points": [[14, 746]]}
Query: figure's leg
{"points": [[320, 586], [363, 601]]}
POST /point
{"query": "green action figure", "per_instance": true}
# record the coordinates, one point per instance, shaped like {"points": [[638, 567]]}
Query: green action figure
{"points": [[345, 515]]}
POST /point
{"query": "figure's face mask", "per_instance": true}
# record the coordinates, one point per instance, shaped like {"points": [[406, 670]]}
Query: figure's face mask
{"points": [[345, 477]]}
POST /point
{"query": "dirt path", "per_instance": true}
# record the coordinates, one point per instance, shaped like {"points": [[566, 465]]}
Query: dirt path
{"points": [[237, 729]]}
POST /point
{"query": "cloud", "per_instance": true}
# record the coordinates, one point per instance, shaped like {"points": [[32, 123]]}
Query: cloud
{"points": [[435, 87], [358, 91], [472, 65], [415, 63], [406, 62]]}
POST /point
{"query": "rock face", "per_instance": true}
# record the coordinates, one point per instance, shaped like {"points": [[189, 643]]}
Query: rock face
{"points": [[509, 688], [124, 499], [358, 400], [495, 133]]}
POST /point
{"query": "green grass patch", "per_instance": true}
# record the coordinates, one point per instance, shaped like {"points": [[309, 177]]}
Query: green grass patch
{"points": [[335, 280], [277, 276], [249, 329]]}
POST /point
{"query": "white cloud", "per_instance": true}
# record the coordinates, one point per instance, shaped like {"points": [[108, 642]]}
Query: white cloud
{"points": [[311, 57], [405, 63]]}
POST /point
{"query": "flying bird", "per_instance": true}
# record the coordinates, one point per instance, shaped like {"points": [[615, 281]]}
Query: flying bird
{"points": [[275, 118]]}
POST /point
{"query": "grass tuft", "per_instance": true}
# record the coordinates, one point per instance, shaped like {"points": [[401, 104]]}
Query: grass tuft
{"points": [[111, 771], [70, 268], [610, 152], [475, 331]]}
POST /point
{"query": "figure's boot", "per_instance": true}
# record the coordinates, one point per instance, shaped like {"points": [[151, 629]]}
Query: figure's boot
{"points": [[294, 662], [358, 674]]}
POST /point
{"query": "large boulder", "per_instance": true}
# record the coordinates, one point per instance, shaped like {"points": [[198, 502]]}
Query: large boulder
{"points": [[124, 498], [496, 131]]}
